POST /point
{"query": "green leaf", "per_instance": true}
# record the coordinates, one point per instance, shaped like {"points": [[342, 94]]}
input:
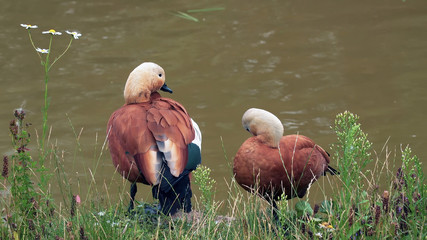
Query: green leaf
{"points": [[302, 208], [356, 227], [326, 207]]}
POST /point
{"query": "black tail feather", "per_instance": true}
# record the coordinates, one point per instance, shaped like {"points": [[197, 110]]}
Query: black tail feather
{"points": [[332, 171], [174, 193]]}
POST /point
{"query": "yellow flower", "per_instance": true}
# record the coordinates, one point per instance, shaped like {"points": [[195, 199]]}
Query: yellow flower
{"points": [[52, 31], [28, 26]]}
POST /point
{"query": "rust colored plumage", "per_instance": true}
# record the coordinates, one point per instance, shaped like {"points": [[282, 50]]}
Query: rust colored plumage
{"points": [[138, 132], [258, 165], [303, 162], [149, 138]]}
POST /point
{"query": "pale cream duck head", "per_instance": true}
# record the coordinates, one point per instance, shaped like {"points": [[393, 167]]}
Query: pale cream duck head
{"points": [[263, 124], [144, 80]]}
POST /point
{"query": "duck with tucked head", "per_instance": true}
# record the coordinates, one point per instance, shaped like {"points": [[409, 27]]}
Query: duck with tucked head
{"points": [[153, 140], [273, 164]]}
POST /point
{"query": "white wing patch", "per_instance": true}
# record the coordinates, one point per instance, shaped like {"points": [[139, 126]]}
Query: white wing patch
{"points": [[154, 166], [169, 150]]}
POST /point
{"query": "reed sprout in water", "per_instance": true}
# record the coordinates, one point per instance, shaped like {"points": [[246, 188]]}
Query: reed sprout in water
{"points": [[187, 16]]}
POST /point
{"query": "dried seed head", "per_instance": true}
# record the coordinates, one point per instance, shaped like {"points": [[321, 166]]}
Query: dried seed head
{"points": [[82, 234], [398, 210], [73, 206], [14, 226], [386, 198], [396, 228], [31, 225], [416, 196], [5, 171], [316, 209], [350, 217], [19, 114], [52, 212], [399, 174], [34, 203], [69, 226], [377, 215], [310, 234]]}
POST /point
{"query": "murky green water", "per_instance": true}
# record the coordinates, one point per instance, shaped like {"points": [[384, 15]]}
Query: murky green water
{"points": [[305, 61]]}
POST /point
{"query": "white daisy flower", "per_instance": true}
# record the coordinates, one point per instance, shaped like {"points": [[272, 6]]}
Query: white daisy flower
{"points": [[28, 26], [75, 34], [52, 31], [41, 50], [101, 214], [319, 235]]}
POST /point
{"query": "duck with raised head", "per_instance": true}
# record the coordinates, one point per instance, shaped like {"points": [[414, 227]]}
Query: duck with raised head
{"points": [[153, 140], [273, 164]]}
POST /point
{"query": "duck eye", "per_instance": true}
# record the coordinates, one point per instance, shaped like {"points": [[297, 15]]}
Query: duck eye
{"points": [[160, 75]]}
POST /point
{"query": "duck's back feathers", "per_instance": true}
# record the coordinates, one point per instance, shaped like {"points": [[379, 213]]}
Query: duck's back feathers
{"points": [[300, 161], [142, 135]]}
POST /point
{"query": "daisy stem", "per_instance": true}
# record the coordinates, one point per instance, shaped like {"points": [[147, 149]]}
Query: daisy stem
{"points": [[46, 100], [62, 54], [32, 43]]}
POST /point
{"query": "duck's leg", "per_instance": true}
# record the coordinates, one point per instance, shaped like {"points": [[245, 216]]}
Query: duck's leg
{"points": [[133, 190]]}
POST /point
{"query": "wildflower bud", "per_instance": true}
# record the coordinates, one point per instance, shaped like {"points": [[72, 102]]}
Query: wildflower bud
{"points": [[402, 223], [377, 214], [316, 209], [310, 234], [69, 227], [82, 234], [14, 226], [5, 171], [398, 210], [52, 212], [303, 228], [13, 128], [20, 114], [396, 228], [31, 225], [399, 174], [73, 206], [34, 203], [386, 197], [350, 217]]}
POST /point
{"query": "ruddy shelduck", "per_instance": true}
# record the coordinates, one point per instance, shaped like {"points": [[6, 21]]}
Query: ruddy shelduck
{"points": [[272, 164], [153, 140]]}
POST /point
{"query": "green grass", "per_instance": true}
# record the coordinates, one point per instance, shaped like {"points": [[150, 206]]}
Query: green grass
{"points": [[357, 207]]}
